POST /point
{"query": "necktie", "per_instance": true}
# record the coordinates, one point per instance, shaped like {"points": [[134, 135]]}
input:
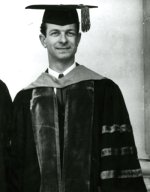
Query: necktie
{"points": [[60, 92], [60, 75], [61, 111]]}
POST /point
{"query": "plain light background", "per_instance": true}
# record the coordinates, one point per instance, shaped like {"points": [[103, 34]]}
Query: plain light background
{"points": [[113, 47]]}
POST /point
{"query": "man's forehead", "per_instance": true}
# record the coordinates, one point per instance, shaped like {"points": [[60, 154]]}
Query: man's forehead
{"points": [[51, 26]]}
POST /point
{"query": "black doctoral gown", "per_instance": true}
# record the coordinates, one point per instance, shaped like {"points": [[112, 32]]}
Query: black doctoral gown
{"points": [[99, 151], [5, 121]]}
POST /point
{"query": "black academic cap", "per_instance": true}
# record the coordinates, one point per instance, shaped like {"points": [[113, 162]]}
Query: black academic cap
{"points": [[65, 14]]}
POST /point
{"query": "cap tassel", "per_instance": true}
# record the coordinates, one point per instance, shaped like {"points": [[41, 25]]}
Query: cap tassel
{"points": [[85, 19]]}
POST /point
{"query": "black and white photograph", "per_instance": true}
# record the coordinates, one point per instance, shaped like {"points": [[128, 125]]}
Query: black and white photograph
{"points": [[75, 96]]}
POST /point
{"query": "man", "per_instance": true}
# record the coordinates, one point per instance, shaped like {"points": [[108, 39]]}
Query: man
{"points": [[5, 119], [72, 131]]}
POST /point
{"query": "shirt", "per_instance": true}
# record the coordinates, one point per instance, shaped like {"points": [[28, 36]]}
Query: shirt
{"points": [[56, 74]]}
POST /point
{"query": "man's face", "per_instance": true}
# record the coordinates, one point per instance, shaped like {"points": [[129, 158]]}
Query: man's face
{"points": [[61, 41]]}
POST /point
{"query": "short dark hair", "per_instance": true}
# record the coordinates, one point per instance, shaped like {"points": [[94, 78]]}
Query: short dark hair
{"points": [[43, 28]]}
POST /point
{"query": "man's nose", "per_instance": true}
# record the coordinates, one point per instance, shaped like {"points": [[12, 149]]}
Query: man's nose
{"points": [[63, 38]]}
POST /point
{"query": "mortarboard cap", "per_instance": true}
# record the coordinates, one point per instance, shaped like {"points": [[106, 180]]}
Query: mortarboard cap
{"points": [[65, 14]]}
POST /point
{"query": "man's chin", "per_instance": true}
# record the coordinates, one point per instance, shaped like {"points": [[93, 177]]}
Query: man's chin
{"points": [[64, 56]]}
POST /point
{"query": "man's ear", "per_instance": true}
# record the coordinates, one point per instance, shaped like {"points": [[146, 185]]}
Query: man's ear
{"points": [[43, 40], [79, 38]]}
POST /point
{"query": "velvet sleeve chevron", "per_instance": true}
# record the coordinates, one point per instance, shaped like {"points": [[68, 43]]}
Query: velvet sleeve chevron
{"points": [[119, 168]]}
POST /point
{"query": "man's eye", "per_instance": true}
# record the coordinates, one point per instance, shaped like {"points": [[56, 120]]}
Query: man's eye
{"points": [[54, 33], [71, 33]]}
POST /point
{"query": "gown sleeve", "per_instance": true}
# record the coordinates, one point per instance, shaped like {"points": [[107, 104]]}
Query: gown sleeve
{"points": [[25, 170], [119, 165]]}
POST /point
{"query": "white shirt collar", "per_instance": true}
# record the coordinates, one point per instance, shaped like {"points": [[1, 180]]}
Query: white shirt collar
{"points": [[56, 74]]}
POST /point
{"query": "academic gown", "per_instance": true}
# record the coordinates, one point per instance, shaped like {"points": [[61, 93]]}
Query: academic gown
{"points": [[5, 121], [99, 152]]}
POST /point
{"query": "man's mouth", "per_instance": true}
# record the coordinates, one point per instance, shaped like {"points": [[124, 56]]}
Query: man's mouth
{"points": [[63, 48]]}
